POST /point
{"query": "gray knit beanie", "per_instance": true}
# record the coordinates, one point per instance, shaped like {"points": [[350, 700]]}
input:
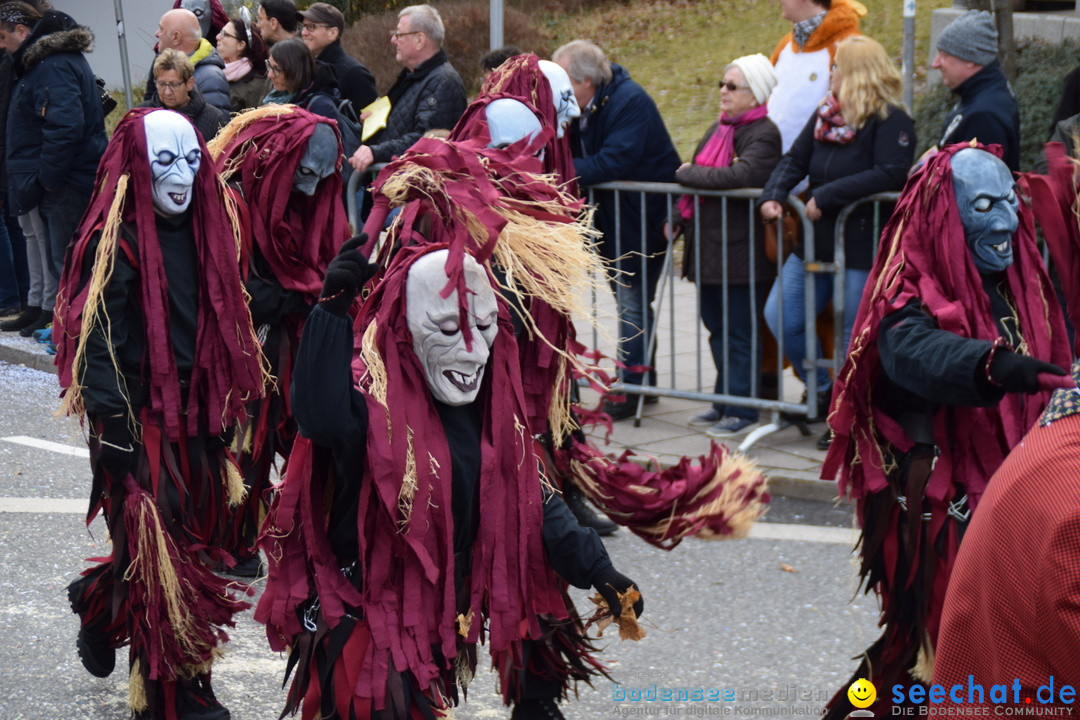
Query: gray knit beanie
{"points": [[972, 37]]}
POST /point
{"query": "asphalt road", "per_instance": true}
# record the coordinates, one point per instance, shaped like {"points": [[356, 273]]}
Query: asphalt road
{"points": [[765, 626]]}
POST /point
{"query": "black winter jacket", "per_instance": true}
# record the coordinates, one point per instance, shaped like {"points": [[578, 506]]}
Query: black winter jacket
{"points": [[55, 130], [355, 82], [987, 112], [877, 161], [428, 98]]}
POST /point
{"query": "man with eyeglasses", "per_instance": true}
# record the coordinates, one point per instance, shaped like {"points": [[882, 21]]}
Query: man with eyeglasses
{"points": [[321, 26], [428, 93], [179, 30], [175, 83], [276, 20]]}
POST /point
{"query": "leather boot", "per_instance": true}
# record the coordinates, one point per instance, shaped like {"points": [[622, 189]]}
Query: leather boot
{"points": [[575, 500], [195, 701]]}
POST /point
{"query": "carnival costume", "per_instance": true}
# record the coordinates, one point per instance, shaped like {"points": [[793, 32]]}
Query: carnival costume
{"points": [[940, 383], [284, 161], [156, 349]]}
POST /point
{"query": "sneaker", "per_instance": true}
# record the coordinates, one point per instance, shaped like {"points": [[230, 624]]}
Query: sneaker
{"points": [[705, 419], [98, 657], [728, 426], [533, 709]]}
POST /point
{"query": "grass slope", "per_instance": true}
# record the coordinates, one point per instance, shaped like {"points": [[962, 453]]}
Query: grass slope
{"points": [[677, 49]]}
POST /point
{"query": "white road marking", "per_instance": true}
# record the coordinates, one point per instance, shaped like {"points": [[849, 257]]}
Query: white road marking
{"points": [[808, 533], [48, 445], [66, 506]]}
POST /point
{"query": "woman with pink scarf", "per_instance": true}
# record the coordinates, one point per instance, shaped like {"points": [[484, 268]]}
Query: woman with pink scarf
{"points": [[241, 47], [739, 150]]}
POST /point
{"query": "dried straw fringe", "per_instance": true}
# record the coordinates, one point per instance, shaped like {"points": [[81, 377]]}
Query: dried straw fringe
{"points": [[152, 545], [234, 483], [94, 314], [739, 476], [375, 374], [137, 688], [924, 665], [408, 482], [237, 125]]}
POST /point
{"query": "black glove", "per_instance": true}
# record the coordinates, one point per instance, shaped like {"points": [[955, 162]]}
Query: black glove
{"points": [[1019, 373], [609, 582], [116, 453], [345, 275]]}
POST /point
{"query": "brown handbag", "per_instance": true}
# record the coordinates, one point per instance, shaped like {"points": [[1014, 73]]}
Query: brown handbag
{"points": [[791, 235]]}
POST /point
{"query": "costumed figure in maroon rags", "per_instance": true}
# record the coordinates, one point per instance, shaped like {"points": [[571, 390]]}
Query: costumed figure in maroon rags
{"points": [[156, 351], [957, 346], [285, 164]]}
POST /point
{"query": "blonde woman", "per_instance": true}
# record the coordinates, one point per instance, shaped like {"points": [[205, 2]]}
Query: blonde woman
{"points": [[859, 142]]}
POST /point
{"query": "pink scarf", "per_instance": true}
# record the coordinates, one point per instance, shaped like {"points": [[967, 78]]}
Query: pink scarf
{"points": [[831, 126], [237, 69], [719, 151]]}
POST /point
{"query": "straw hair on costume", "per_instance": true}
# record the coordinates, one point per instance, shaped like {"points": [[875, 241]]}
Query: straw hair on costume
{"points": [[759, 74], [239, 123]]}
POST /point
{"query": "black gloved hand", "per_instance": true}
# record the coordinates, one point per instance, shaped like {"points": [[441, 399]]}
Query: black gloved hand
{"points": [[116, 452], [345, 275], [1019, 373], [609, 582]]}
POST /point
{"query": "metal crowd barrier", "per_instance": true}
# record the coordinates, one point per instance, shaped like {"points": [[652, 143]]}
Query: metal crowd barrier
{"points": [[671, 381]]}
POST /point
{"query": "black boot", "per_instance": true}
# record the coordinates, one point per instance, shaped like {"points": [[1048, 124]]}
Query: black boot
{"points": [[533, 709], [195, 701], [44, 319], [575, 500], [97, 655], [26, 317]]}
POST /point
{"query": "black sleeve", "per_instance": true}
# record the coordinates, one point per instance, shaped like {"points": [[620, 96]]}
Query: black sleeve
{"points": [[105, 388], [793, 167], [935, 364], [359, 87], [894, 152], [575, 553], [441, 103], [328, 409], [270, 302]]}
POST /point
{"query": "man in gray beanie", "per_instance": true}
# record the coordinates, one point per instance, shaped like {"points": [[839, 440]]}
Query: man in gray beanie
{"points": [[967, 59]]}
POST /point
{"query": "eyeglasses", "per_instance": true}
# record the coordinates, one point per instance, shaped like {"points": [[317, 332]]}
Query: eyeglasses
{"points": [[225, 34], [271, 68], [732, 87], [170, 86], [396, 35], [310, 27]]}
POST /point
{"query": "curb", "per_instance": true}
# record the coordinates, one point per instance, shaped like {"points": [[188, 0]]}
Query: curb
{"points": [[782, 483]]}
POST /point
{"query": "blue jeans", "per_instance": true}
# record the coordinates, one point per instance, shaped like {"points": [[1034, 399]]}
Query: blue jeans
{"points": [[14, 271], [741, 373], [634, 295], [61, 211], [794, 299]]}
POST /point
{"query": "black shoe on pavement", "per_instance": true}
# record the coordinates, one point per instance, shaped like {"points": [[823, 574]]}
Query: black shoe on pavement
{"points": [[825, 440], [98, 657], [586, 517], [246, 567], [620, 410], [44, 319], [546, 709], [9, 311], [26, 317]]}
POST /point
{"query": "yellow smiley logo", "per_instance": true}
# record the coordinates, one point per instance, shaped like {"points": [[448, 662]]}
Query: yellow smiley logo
{"points": [[862, 693]]}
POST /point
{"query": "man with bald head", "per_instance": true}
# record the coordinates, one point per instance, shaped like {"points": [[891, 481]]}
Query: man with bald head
{"points": [[179, 30]]}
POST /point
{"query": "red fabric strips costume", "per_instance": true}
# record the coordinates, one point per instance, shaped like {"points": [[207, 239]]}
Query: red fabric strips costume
{"points": [[908, 550]]}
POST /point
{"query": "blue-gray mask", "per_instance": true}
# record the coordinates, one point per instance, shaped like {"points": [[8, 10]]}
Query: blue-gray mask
{"points": [[986, 199]]}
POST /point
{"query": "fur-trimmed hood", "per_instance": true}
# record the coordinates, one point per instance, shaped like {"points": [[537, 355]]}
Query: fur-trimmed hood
{"points": [[54, 34]]}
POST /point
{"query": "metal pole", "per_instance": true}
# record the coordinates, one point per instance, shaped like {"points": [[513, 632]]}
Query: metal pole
{"points": [[120, 34], [496, 40], [909, 54]]}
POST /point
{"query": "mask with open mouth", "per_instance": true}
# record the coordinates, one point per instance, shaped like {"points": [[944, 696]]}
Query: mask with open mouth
{"points": [[318, 162], [454, 369], [173, 151], [988, 206]]}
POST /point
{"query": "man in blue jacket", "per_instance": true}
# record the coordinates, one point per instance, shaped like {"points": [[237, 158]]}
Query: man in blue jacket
{"points": [[967, 59], [55, 130], [621, 136]]}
